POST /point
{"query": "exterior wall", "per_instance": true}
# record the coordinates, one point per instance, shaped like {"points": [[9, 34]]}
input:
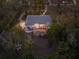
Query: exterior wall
{"points": [[37, 31], [41, 30]]}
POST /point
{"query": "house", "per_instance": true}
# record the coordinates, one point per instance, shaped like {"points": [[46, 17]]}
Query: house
{"points": [[37, 24], [61, 2]]}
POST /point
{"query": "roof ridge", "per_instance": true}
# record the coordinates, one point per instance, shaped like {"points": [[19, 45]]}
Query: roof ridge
{"points": [[38, 15]]}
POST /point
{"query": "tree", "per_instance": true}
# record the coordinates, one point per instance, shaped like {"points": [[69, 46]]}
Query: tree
{"points": [[67, 47]]}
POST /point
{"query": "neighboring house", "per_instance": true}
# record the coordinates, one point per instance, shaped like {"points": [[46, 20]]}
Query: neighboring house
{"points": [[60, 1], [38, 24]]}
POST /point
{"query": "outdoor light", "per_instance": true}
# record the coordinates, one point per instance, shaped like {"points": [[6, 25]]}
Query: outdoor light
{"points": [[36, 25], [22, 24], [41, 25]]}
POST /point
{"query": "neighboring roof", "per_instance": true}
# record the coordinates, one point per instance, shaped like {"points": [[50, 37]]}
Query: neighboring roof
{"points": [[60, 1], [32, 19]]}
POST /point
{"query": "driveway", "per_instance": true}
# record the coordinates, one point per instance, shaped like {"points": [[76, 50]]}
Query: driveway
{"points": [[41, 46]]}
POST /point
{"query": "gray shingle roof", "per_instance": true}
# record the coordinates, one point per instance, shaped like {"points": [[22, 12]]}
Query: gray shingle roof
{"points": [[32, 19]]}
